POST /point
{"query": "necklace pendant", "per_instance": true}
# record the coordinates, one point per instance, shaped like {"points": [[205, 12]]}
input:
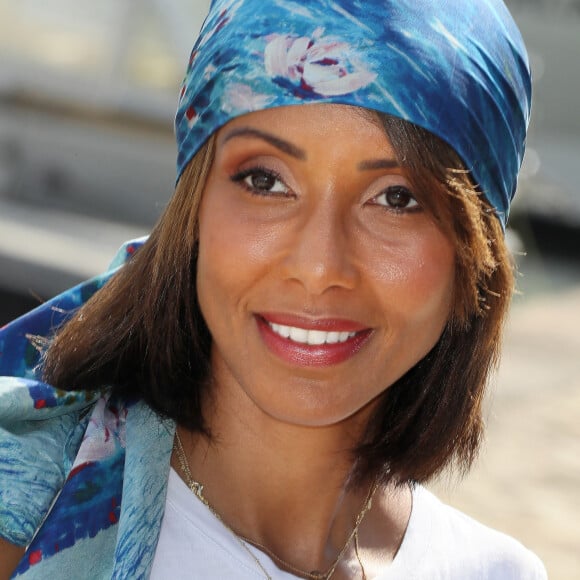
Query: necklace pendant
{"points": [[197, 489]]}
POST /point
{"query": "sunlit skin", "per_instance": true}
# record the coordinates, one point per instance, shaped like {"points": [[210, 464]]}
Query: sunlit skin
{"points": [[307, 221], [320, 244]]}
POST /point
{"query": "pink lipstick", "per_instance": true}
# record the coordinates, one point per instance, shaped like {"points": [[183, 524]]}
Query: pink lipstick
{"points": [[311, 342]]}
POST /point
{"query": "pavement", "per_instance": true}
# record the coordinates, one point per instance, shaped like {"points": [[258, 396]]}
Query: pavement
{"points": [[527, 481]]}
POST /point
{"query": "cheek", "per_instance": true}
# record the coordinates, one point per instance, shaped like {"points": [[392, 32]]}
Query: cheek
{"points": [[232, 232], [219, 255], [417, 280], [235, 253], [433, 274]]}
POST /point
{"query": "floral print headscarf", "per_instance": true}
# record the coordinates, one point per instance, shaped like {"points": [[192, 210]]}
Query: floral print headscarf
{"points": [[458, 69]]}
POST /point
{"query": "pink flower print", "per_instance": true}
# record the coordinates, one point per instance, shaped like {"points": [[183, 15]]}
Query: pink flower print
{"points": [[104, 435], [321, 65], [240, 97]]}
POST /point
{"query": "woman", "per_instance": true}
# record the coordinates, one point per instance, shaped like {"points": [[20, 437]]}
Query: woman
{"points": [[306, 335]]}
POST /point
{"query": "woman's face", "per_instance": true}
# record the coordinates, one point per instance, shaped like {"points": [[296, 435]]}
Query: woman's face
{"points": [[321, 278]]}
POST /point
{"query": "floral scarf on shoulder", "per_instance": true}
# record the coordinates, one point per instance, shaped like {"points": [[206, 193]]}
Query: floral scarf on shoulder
{"points": [[82, 475]]}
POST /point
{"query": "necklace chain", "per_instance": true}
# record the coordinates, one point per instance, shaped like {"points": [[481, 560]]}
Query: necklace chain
{"points": [[197, 489]]}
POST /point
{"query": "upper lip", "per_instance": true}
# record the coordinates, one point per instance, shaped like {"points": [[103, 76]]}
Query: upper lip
{"points": [[327, 324]]}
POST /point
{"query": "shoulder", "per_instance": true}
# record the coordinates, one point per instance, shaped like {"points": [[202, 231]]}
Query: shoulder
{"points": [[460, 547]]}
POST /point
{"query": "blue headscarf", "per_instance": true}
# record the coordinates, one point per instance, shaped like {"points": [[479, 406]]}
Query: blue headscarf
{"points": [[458, 69]]}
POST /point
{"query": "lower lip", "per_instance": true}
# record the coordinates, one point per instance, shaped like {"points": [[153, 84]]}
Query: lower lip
{"points": [[306, 355]]}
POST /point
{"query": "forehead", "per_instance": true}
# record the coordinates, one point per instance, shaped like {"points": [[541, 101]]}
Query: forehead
{"points": [[309, 125]]}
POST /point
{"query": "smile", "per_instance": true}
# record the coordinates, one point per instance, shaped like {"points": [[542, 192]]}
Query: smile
{"points": [[311, 343], [310, 337]]}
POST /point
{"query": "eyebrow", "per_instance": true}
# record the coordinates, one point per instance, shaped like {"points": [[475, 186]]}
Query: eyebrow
{"points": [[297, 152], [280, 144], [378, 164]]}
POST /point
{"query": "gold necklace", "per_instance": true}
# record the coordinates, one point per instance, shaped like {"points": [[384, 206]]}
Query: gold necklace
{"points": [[197, 489]]}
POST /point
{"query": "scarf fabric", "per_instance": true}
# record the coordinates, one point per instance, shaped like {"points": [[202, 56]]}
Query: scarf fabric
{"points": [[458, 69], [83, 475]]}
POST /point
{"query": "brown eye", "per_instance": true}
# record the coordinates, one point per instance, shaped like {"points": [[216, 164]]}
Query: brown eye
{"points": [[261, 181], [397, 197]]}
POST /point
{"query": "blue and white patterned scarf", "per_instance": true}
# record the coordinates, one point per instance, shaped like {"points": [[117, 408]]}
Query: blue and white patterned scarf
{"points": [[458, 69]]}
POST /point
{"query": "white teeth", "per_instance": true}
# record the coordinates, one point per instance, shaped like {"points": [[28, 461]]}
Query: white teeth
{"points": [[298, 334], [310, 337], [316, 337]]}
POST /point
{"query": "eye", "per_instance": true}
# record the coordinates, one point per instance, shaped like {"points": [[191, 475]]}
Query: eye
{"points": [[261, 181], [398, 198]]}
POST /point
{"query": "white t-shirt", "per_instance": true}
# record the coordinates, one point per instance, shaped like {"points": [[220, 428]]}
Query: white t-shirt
{"points": [[440, 543]]}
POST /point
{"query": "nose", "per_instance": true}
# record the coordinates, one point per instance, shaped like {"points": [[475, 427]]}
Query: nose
{"points": [[321, 255]]}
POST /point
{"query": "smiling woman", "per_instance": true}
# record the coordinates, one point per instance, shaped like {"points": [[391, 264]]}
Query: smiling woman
{"points": [[305, 337], [305, 196]]}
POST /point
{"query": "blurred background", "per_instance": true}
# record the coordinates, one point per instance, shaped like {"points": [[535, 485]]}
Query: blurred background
{"points": [[87, 161]]}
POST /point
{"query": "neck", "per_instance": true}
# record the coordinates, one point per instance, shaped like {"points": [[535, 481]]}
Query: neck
{"points": [[288, 486], [294, 481]]}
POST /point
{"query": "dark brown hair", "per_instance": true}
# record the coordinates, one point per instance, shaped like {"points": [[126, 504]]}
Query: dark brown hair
{"points": [[144, 336]]}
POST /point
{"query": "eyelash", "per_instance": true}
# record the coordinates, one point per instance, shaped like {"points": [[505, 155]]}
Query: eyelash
{"points": [[241, 177], [399, 189]]}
